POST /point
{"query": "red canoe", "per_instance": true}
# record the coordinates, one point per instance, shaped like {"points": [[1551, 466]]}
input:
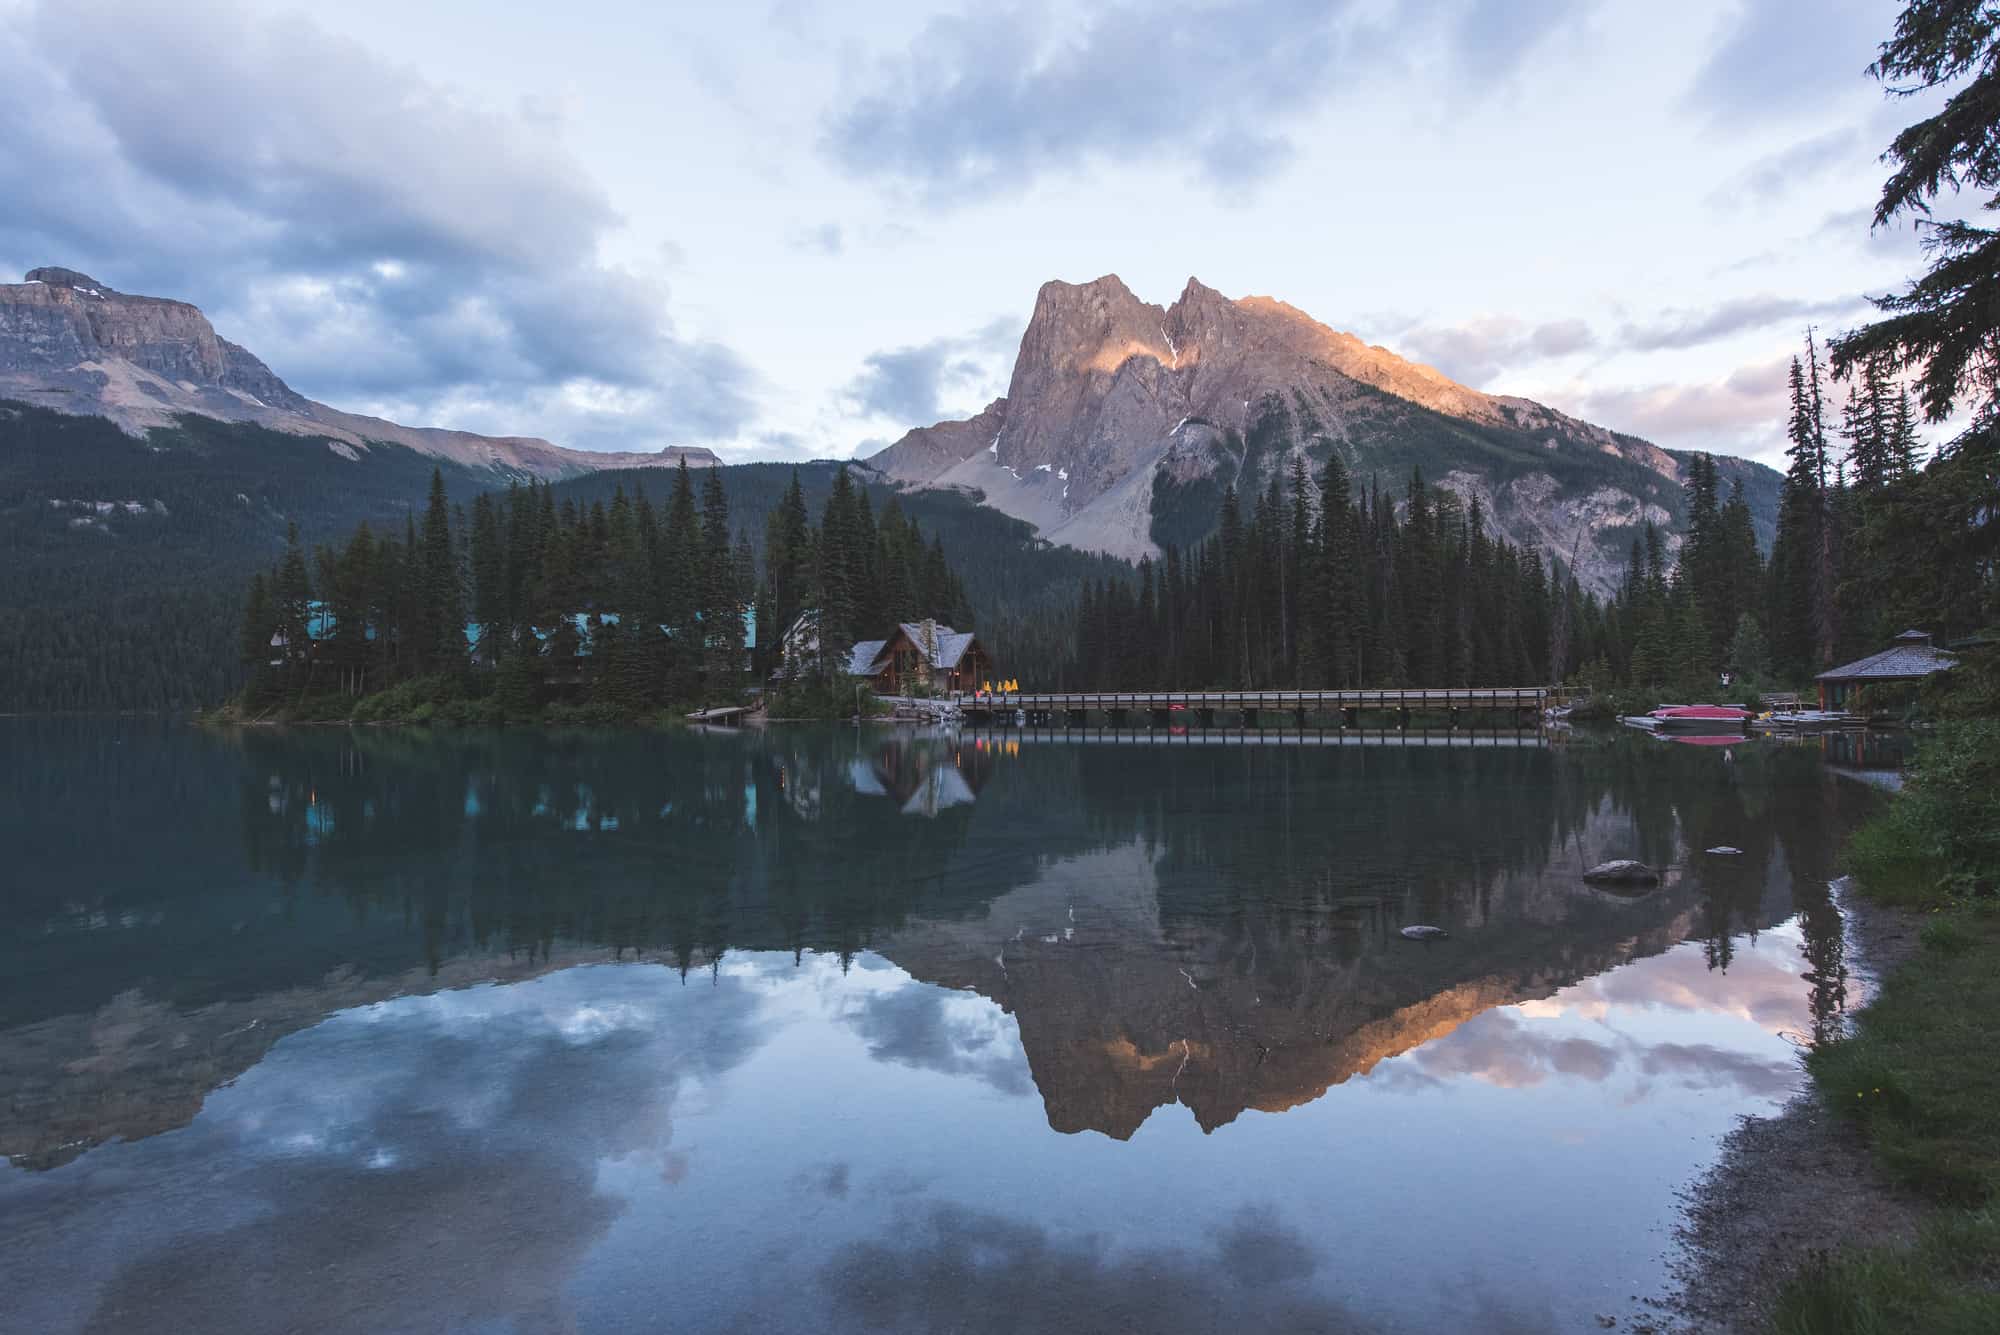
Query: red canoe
{"points": [[1705, 717]]}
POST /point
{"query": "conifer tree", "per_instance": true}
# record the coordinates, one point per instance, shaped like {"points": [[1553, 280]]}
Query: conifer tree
{"points": [[292, 594], [441, 637]]}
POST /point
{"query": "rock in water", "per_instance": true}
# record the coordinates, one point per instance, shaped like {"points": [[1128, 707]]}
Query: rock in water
{"points": [[1424, 933], [1724, 850], [1623, 871]]}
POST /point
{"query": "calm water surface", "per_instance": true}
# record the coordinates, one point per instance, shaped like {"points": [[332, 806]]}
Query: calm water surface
{"points": [[814, 1030]]}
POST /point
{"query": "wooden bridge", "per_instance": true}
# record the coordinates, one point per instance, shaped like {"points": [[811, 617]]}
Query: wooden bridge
{"points": [[1206, 709], [1458, 739]]}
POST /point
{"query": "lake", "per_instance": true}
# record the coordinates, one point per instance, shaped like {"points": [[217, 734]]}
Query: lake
{"points": [[815, 1029]]}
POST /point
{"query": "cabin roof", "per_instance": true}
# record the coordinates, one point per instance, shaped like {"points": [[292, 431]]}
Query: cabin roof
{"points": [[865, 660], [1911, 656], [948, 646]]}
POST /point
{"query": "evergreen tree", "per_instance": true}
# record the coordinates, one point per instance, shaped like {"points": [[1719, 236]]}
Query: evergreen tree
{"points": [[836, 594], [292, 596], [260, 622], [1749, 655], [490, 593]]}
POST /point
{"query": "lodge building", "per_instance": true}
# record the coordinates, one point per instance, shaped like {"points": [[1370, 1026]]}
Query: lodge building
{"points": [[919, 657]]}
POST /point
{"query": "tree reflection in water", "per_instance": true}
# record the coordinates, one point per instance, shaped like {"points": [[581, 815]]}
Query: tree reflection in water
{"points": [[1224, 915]]}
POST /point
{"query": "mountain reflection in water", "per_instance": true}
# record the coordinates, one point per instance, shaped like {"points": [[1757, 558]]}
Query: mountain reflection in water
{"points": [[272, 945]]}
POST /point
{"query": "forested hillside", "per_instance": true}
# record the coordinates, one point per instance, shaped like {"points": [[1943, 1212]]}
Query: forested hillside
{"points": [[1020, 588], [123, 561]]}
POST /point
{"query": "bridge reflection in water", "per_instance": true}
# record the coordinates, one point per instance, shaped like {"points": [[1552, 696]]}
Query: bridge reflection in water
{"points": [[824, 1014], [1210, 922]]}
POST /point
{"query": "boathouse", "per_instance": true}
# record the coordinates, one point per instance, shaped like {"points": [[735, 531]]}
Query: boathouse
{"points": [[1909, 660]]}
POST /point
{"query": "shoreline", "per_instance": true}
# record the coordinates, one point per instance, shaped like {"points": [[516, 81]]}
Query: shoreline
{"points": [[1793, 1183]]}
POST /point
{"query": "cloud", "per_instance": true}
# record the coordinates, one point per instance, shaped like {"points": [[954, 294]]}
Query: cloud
{"points": [[976, 1271], [1744, 408], [914, 385], [988, 98], [1516, 1047], [1775, 175], [1497, 1048], [1776, 62], [467, 1128], [931, 1030], [824, 239], [1851, 230], [1692, 327], [1476, 351], [1705, 1066], [379, 240]]}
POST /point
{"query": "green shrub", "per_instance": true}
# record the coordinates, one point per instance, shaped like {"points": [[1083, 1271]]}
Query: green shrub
{"points": [[825, 700], [586, 713], [417, 700], [1946, 935], [1941, 837]]}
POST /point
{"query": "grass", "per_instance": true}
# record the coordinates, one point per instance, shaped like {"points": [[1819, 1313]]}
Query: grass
{"points": [[1941, 1286], [1920, 1074]]}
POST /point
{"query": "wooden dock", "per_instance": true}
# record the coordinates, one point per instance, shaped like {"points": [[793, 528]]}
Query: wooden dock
{"points": [[1207, 709], [721, 714]]}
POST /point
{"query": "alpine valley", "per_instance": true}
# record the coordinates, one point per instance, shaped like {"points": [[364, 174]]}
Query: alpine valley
{"points": [[148, 465]]}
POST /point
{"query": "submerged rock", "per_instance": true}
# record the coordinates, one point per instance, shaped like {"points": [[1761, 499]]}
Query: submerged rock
{"points": [[1623, 871], [1422, 932], [1724, 850]]}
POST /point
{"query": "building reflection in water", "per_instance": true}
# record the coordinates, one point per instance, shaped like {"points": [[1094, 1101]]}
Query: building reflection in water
{"points": [[1210, 926]]}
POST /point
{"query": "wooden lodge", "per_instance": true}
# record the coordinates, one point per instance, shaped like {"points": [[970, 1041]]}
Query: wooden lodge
{"points": [[922, 657], [1907, 661], [917, 658]]}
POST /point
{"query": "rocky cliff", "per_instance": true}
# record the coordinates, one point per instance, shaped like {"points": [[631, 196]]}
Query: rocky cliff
{"points": [[76, 345], [1124, 421]]}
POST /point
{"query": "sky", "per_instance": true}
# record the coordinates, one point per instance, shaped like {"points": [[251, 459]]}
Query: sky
{"points": [[793, 230]]}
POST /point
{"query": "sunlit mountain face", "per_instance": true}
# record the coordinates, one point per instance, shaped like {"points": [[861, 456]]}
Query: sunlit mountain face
{"points": [[970, 1011]]}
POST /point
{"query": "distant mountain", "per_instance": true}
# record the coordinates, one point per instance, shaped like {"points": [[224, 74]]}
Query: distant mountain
{"points": [[1124, 421], [78, 346]]}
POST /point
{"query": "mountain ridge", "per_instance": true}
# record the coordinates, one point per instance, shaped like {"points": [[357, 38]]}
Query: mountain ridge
{"points": [[1124, 420], [78, 346]]}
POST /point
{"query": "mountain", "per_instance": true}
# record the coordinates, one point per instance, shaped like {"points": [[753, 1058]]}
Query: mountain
{"points": [[148, 465], [1124, 421], [78, 346], [123, 560]]}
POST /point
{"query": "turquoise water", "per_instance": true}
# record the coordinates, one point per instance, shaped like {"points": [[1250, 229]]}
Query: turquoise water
{"points": [[810, 1029]]}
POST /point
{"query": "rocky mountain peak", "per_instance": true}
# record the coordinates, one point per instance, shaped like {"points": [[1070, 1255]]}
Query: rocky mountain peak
{"points": [[1124, 421], [74, 344], [56, 276]]}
